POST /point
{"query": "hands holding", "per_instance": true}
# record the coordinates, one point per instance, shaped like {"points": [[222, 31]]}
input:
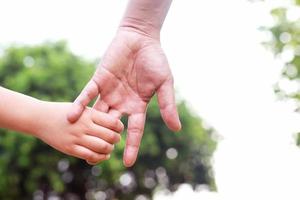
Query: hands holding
{"points": [[91, 138], [132, 70]]}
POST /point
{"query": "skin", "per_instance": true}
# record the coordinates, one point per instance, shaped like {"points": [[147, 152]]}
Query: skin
{"points": [[91, 138], [132, 70]]}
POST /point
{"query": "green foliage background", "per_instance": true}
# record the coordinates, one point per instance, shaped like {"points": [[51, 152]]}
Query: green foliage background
{"points": [[286, 37], [30, 169]]}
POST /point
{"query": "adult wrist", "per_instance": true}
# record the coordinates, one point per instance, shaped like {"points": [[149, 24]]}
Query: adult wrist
{"points": [[141, 26]]}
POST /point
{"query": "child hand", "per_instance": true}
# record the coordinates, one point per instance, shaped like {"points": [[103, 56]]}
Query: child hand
{"points": [[91, 138]]}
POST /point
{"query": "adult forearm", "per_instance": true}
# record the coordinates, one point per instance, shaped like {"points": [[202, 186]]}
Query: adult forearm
{"points": [[19, 112], [146, 16]]}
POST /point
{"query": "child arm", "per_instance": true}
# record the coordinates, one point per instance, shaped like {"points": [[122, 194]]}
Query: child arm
{"points": [[19, 112], [91, 138]]}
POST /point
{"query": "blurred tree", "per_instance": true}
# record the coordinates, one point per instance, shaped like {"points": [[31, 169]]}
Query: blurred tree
{"points": [[29, 169], [285, 44]]}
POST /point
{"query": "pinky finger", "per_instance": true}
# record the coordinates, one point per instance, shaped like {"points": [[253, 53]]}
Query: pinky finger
{"points": [[88, 155], [95, 163]]}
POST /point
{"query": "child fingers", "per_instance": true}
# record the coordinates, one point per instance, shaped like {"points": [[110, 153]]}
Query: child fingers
{"points": [[96, 144], [106, 134], [87, 154], [108, 121], [95, 163], [115, 113]]}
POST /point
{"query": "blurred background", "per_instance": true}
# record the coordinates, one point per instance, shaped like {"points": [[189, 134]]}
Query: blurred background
{"points": [[236, 67]]}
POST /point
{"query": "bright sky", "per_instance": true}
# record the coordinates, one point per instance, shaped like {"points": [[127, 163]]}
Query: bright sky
{"points": [[220, 68]]}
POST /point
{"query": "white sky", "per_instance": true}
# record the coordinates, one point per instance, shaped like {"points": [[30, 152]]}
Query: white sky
{"points": [[220, 68]]}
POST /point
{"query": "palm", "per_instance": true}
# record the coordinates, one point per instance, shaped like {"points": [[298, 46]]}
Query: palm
{"points": [[132, 70]]}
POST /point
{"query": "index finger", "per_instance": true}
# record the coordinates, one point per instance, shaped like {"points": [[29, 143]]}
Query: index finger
{"points": [[135, 131]]}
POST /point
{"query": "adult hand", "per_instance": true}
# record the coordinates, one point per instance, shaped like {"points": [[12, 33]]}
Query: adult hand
{"points": [[132, 70]]}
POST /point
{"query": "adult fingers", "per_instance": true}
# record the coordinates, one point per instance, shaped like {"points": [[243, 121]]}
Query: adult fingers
{"points": [[167, 105], [135, 130], [89, 92]]}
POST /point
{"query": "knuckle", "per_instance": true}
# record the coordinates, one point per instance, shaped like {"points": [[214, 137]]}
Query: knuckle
{"points": [[116, 123], [135, 146], [135, 130], [92, 89], [114, 138], [117, 138], [107, 148], [90, 157], [69, 149], [110, 137], [78, 135], [89, 94], [97, 116]]}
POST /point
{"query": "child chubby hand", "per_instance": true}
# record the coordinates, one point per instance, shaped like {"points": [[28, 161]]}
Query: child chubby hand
{"points": [[91, 138]]}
